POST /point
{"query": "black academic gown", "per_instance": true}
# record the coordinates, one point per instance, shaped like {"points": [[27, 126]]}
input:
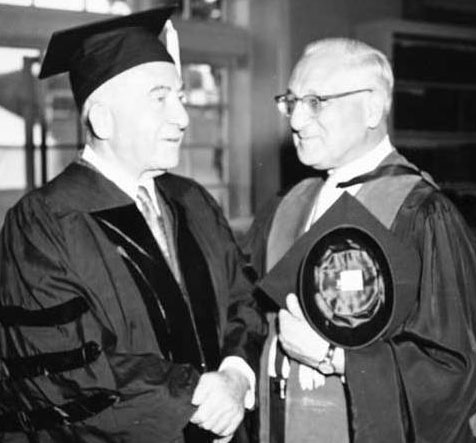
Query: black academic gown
{"points": [[80, 272], [420, 384]]}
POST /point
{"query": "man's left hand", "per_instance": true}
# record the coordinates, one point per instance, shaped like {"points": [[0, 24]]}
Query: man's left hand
{"points": [[220, 397]]}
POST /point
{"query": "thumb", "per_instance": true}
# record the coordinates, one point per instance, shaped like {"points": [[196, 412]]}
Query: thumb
{"points": [[200, 391], [293, 306]]}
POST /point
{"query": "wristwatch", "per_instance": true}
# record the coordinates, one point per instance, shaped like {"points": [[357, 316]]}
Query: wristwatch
{"points": [[325, 366]]}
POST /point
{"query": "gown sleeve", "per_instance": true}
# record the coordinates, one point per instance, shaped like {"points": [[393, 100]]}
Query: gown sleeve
{"points": [[46, 312], [245, 328], [420, 384]]}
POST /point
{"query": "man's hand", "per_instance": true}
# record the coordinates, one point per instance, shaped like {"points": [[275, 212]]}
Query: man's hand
{"points": [[220, 397], [299, 340]]}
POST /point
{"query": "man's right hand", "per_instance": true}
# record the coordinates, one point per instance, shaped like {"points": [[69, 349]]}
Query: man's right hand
{"points": [[299, 340], [220, 397]]}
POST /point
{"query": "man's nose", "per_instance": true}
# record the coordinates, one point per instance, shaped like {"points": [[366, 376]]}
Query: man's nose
{"points": [[178, 114], [299, 117]]}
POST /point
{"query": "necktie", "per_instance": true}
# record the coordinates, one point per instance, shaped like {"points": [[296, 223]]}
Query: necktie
{"points": [[155, 221]]}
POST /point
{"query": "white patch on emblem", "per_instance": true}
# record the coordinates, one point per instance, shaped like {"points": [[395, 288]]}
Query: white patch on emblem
{"points": [[351, 280]]}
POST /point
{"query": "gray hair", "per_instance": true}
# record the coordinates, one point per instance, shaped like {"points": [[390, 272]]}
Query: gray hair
{"points": [[360, 55]]}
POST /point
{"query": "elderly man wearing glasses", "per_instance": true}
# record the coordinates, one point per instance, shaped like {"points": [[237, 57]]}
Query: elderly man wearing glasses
{"points": [[388, 372]]}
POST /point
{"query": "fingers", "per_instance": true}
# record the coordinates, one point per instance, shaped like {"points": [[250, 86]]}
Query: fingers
{"points": [[201, 390], [221, 419], [290, 318], [292, 303], [297, 337], [220, 400], [202, 397]]}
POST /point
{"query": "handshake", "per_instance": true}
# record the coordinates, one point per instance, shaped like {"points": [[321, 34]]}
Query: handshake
{"points": [[220, 398]]}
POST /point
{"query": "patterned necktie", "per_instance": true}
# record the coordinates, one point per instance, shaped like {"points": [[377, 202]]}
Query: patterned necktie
{"points": [[154, 220]]}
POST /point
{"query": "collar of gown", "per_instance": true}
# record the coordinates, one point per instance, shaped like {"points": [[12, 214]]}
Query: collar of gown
{"points": [[124, 181], [361, 165]]}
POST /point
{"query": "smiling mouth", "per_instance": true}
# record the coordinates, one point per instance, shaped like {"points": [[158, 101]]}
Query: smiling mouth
{"points": [[306, 138], [301, 135]]}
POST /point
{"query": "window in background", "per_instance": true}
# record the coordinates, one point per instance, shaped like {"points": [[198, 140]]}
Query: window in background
{"points": [[98, 6], [17, 2], [13, 98], [62, 125], [71, 5], [202, 9], [204, 151], [190, 9], [119, 7]]}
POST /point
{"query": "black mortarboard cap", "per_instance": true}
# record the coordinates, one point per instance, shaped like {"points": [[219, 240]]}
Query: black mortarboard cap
{"points": [[96, 52], [355, 280]]}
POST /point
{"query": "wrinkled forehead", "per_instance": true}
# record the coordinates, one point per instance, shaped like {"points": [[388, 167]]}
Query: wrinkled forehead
{"points": [[153, 72], [326, 74], [138, 81]]}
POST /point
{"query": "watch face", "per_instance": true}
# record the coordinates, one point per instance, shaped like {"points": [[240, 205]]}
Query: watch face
{"points": [[326, 367], [346, 287]]}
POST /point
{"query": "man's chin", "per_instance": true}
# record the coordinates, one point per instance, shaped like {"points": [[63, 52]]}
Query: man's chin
{"points": [[307, 155], [161, 167], [169, 158]]}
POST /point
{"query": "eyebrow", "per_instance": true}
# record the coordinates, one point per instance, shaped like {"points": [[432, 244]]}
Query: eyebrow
{"points": [[311, 92], [158, 88]]}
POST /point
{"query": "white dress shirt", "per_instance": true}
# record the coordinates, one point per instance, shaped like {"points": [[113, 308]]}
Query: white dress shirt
{"points": [[124, 181], [330, 193]]}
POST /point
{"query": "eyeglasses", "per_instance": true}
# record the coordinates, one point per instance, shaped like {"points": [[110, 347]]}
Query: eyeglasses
{"points": [[286, 103]]}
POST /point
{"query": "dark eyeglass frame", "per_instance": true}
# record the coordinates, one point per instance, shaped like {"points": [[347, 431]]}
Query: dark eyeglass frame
{"points": [[286, 103]]}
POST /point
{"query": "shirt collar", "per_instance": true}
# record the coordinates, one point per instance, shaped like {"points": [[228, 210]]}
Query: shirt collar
{"points": [[124, 181], [361, 165]]}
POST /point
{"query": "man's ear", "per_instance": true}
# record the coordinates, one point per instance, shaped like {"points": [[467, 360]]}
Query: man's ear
{"points": [[375, 109], [100, 121]]}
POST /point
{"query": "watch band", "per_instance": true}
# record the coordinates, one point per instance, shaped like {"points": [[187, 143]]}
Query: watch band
{"points": [[326, 366]]}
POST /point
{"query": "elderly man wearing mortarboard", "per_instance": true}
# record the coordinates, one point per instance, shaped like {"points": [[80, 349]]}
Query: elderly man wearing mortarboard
{"points": [[356, 357], [125, 314]]}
